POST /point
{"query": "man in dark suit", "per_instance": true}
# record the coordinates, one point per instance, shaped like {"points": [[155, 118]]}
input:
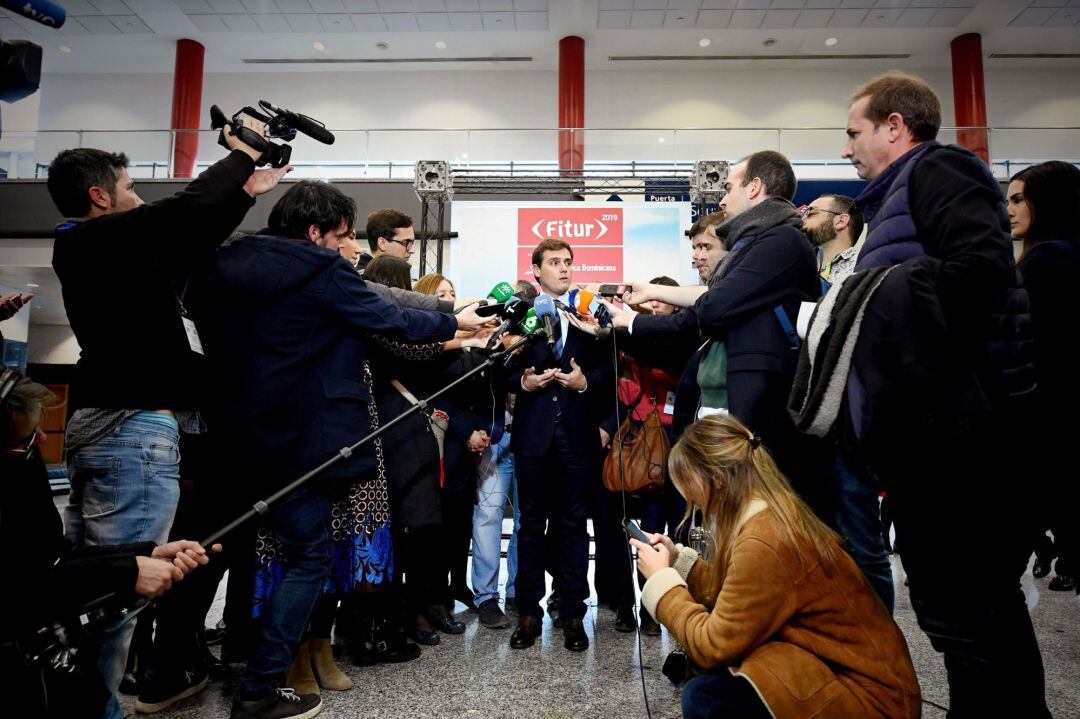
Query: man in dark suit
{"points": [[284, 318], [556, 441], [745, 313]]}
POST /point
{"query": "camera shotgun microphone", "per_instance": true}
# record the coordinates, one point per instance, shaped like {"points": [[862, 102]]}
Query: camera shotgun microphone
{"points": [[307, 125], [545, 310]]}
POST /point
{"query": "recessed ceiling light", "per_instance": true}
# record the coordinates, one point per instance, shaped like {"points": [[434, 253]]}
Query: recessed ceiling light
{"points": [[464, 156], [318, 45], [704, 42], [65, 49], [769, 42], [382, 45], [440, 44], [661, 139], [831, 41], [680, 19], [32, 285]]}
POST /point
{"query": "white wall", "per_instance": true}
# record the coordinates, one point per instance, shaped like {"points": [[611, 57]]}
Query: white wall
{"points": [[513, 99]]}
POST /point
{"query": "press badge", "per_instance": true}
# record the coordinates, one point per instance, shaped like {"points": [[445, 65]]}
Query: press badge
{"points": [[669, 403], [192, 335]]}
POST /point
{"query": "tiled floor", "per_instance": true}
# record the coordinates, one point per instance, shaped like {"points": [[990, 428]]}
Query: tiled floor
{"points": [[478, 675]]}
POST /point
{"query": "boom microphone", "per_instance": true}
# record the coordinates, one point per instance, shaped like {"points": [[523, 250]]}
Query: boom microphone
{"points": [[307, 125], [545, 310]]}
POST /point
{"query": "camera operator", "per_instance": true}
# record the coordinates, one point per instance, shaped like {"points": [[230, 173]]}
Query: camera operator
{"points": [[138, 368], [55, 578]]}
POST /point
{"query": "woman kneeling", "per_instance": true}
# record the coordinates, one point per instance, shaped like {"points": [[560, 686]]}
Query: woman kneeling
{"points": [[781, 618]]}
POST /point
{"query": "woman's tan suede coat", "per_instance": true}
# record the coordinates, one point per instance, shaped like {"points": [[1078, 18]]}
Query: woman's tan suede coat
{"points": [[812, 645]]}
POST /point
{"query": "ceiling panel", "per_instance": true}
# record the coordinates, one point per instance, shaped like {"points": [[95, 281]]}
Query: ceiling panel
{"points": [[112, 7], [680, 19], [949, 16], [780, 19], [205, 23], [642, 19], [240, 23], [99, 26], [368, 22], [614, 19], [881, 18], [814, 18], [466, 20], [915, 17], [847, 18], [713, 18], [272, 23], [433, 21], [1065, 17], [304, 23], [496, 5], [718, 4], [530, 21], [230, 7], [400, 22], [747, 18], [329, 6]]}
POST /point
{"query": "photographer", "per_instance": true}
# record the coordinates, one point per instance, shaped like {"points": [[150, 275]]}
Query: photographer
{"points": [[138, 368], [55, 578]]}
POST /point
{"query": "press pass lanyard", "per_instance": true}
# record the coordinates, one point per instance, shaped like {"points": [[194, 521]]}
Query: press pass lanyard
{"points": [[189, 325]]}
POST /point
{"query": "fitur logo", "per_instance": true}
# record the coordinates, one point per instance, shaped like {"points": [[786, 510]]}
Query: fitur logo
{"points": [[569, 230]]}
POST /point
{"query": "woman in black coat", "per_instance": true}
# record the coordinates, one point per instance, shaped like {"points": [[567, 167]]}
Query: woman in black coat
{"points": [[1043, 202]]}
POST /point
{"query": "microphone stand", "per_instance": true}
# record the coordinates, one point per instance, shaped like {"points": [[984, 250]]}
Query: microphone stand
{"points": [[263, 505], [103, 614]]}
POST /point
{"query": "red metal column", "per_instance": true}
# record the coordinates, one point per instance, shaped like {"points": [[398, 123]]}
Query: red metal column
{"points": [[969, 93], [571, 103], [187, 101]]}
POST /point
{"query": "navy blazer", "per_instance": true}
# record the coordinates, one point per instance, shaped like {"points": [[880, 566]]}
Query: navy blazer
{"points": [[283, 323], [776, 268], [580, 412]]}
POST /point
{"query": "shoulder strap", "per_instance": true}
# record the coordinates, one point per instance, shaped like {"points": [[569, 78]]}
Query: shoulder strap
{"points": [[785, 324]]}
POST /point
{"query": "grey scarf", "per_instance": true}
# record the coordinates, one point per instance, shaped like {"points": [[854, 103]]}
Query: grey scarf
{"points": [[772, 212]]}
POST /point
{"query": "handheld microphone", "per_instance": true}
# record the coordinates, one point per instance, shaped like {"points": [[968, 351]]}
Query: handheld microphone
{"points": [[307, 125], [512, 311], [41, 11], [545, 310], [586, 303], [500, 292]]}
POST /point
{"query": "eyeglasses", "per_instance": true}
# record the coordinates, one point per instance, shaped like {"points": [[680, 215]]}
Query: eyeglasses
{"points": [[25, 447], [407, 244], [808, 211]]}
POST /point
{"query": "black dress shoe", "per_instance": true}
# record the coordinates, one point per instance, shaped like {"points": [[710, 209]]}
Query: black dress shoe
{"points": [[556, 620], [444, 621], [1042, 566], [527, 632], [1063, 583], [428, 637], [649, 626], [574, 637], [625, 621]]}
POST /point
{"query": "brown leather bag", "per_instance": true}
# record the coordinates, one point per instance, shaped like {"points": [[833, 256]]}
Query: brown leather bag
{"points": [[638, 455]]}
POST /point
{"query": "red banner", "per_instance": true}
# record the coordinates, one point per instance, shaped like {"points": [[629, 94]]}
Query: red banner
{"points": [[595, 233]]}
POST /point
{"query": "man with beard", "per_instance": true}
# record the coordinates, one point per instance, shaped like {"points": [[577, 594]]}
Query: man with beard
{"points": [[833, 224]]}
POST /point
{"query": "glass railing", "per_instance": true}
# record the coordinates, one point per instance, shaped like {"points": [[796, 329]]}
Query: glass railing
{"points": [[391, 154]]}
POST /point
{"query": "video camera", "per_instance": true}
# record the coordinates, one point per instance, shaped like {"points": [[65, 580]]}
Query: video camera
{"points": [[280, 124]]}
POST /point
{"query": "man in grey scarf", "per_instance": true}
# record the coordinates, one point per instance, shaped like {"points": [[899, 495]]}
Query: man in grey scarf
{"points": [[747, 362]]}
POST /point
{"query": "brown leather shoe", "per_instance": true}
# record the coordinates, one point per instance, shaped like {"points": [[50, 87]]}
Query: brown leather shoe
{"points": [[574, 637], [528, 629]]}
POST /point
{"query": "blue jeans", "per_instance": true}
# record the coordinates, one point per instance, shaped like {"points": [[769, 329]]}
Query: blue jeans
{"points": [[494, 480], [511, 547], [124, 488], [301, 522], [722, 695], [852, 500]]}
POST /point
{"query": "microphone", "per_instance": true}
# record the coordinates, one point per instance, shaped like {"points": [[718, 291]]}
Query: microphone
{"points": [[41, 11], [307, 125], [512, 311], [586, 303], [545, 310], [500, 293]]}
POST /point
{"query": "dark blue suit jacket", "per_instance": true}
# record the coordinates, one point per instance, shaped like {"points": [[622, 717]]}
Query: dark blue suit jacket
{"points": [[775, 268], [535, 412], [283, 323]]}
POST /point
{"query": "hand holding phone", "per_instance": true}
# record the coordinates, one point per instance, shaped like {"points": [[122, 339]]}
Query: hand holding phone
{"points": [[610, 290], [634, 531]]}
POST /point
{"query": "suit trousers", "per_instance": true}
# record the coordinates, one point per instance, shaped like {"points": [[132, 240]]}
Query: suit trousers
{"points": [[554, 490]]}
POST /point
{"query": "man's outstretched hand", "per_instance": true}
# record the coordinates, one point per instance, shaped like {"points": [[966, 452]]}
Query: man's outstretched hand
{"points": [[265, 180], [11, 304]]}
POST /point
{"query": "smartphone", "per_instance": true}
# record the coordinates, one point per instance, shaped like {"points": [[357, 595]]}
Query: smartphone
{"points": [[610, 290], [634, 531]]}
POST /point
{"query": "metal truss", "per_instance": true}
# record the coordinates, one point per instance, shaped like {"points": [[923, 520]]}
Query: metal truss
{"points": [[436, 184]]}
